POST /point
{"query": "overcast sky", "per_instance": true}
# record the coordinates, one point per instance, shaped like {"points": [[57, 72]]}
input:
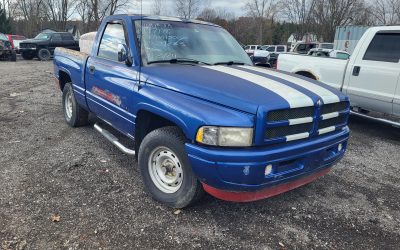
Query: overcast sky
{"points": [[234, 6]]}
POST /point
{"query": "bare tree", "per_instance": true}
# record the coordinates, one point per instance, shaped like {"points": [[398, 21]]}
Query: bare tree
{"points": [[60, 11], [387, 12], [187, 8], [329, 14], [298, 12], [208, 15], [157, 7], [261, 10], [102, 8], [32, 12]]}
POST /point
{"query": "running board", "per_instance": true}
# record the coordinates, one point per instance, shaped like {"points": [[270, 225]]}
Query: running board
{"points": [[392, 123], [114, 140]]}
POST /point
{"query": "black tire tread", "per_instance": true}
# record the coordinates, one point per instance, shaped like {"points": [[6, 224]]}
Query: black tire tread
{"points": [[43, 59], [81, 116], [173, 133]]}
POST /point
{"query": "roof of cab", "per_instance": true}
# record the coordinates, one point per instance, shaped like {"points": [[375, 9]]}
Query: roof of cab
{"points": [[162, 18]]}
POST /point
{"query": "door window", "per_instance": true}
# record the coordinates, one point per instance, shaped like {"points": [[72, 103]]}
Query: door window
{"points": [[280, 49], [271, 49], [340, 55], [385, 47], [113, 36], [66, 37], [56, 37]]}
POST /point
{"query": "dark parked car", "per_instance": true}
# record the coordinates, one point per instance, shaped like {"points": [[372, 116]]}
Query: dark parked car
{"points": [[43, 45], [6, 50]]}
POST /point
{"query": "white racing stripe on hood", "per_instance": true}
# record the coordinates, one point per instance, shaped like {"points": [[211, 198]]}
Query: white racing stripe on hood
{"points": [[295, 98], [326, 95]]}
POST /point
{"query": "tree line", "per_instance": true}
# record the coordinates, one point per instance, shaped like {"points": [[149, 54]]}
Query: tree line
{"points": [[264, 22]]}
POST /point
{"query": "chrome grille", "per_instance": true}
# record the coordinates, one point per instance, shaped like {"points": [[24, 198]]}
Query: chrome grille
{"points": [[272, 133], [286, 124], [332, 122], [26, 45], [334, 107], [287, 114]]}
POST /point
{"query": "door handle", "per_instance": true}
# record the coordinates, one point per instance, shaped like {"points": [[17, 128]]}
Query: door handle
{"points": [[92, 69], [356, 70]]}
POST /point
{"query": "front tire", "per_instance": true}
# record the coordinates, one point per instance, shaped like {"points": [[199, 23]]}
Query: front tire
{"points": [[165, 169], [27, 56], [44, 54], [74, 114]]}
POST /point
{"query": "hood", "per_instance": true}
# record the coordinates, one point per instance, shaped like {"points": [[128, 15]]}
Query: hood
{"points": [[245, 88]]}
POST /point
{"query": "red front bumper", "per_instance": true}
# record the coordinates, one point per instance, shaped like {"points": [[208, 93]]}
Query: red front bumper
{"points": [[262, 194]]}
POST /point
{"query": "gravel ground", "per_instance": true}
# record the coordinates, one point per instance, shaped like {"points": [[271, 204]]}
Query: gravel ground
{"points": [[48, 169]]}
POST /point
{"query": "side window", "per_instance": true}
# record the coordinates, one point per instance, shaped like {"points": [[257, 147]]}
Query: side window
{"points": [[340, 55], [301, 47], [385, 47], [113, 36], [271, 49], [280, 49], [66, 37], [247, 47], [56, 37]]}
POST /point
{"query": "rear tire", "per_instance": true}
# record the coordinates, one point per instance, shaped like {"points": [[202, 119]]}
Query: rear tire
{"points": [[13, 56], [165, 169], [74, 114], [44, 54]]}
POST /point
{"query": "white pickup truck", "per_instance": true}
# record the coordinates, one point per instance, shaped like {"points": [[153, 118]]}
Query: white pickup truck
{"points": [[370, 77]]}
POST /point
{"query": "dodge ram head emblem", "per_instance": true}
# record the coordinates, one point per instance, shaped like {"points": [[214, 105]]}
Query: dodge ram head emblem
{"points": [[319, 103]]}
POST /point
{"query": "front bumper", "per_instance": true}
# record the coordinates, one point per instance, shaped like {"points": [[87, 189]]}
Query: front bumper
{"points": [[245, 170], [4, 52], [31, 51]]}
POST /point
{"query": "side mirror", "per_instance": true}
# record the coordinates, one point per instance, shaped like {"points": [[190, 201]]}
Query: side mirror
{"points": [[123, 54]]}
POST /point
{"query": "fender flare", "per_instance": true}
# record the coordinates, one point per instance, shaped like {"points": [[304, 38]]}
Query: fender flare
{"points": [[316, 75], [164, 114]]}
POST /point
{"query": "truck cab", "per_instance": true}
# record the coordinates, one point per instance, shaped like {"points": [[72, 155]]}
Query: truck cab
{"points": [[202, 117], [372, 75]]}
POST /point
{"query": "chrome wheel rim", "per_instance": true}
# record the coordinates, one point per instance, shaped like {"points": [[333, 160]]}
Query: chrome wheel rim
{"points": [[68, 105], [165, 170]]}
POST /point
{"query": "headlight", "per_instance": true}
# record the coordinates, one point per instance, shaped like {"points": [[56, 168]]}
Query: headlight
{"points": [[225, 136]]}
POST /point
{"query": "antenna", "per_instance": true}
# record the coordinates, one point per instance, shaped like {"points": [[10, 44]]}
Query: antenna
{"points": [[140, 44], [141, 29]]}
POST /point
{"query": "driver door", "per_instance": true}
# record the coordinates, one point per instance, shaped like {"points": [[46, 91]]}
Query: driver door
{"points": [[110, 84], [55, 41]]}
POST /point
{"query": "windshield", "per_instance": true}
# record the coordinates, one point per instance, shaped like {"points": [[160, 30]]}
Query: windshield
{"points": [[3, 37], [167, 40], [326, 46], [43, 36]]}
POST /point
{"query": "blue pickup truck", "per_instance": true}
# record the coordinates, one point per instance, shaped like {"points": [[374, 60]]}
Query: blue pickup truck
{"points": [[202, 117]]}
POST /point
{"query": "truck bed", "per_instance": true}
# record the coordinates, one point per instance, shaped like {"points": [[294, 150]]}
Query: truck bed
{"points": [[330, 71], [73, 63]]}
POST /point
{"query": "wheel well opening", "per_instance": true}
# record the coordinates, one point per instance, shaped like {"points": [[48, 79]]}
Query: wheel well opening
{"points": [[63, 79], [147, 122], [306, 74]]}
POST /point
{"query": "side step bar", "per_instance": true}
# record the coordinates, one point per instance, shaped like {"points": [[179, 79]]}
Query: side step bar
{"points": [[392, 123], [114, 140]]}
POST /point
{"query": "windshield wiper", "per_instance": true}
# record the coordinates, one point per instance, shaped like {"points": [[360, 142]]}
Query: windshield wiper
{"points": [[178, 60], [229, 63]]}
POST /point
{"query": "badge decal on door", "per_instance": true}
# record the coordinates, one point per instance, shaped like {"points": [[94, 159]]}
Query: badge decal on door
{"points": [[107, 95]]}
